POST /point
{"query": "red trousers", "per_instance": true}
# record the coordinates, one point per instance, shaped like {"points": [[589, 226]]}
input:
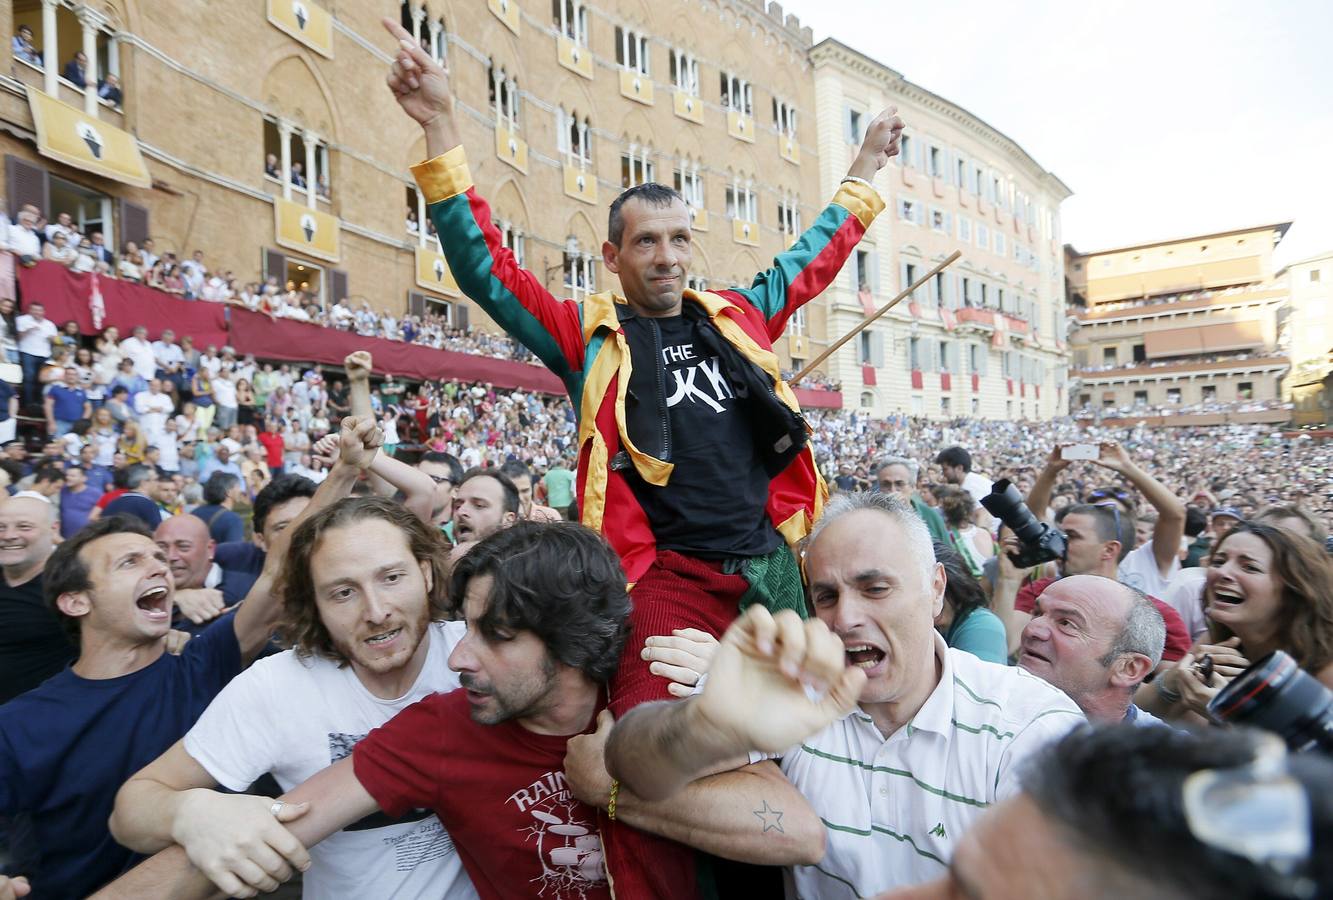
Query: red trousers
{"points": [[676, 592]]}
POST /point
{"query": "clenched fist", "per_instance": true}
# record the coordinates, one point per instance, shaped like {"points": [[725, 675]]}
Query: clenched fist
{"points": [[883, 138]]}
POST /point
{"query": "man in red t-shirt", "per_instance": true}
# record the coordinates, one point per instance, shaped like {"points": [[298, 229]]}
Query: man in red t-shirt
{"points": [[274, 446], [1093, 549]]}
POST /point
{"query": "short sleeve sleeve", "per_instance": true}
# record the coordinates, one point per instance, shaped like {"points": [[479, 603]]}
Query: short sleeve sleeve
{"points": [[233, 739], [398, 763], [1046, 727], [214, 657]]}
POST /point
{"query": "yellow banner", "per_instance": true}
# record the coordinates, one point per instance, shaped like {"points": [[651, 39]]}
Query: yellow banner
{"points": [[67, 135], [303, 20], [797, 346], [506, 11], [581, 184], [743, 232], [698, 218], [739, 126], [636, 86], [788, 149], [305, 230], [511, 148], [433, 273], [573, 57], [688, 107]]}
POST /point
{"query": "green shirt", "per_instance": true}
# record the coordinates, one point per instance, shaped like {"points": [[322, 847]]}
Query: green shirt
{"points": [[559, 483], [980, 633]]}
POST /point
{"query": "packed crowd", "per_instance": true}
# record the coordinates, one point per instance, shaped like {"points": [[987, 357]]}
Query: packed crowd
{"points": [[408, 677]]}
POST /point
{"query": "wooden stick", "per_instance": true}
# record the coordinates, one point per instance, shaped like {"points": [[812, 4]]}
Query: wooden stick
{"points": [[882, 310]]}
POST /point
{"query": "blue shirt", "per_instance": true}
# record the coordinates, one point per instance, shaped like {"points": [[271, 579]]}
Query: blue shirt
{"points": [[223, 525], [68, 745], [215, 465], [138, 505], [75, 508], [6, 391], [66, 403], [1142, 718], [980, 633]]}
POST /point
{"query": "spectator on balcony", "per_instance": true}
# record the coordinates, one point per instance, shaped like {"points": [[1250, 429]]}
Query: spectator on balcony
{"points": [[58, 250], [148, 250], [272, 168], [193, 280], [413, 226], [23, 47], [195, 263], [109, 89], [25, 237], [298, 175], [64, 224], [100, 251], [322, 185], [130, 267], [76, 69]]}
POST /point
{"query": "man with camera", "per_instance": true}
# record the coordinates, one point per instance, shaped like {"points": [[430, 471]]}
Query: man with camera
{"points": [[1096, 536]]}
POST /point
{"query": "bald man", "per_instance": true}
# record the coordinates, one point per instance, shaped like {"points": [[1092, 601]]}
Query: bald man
{"points": [[33, 644], [1096, 639], [204, 589]]}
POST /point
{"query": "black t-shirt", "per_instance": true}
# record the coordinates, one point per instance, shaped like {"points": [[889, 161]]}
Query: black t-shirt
{"points": [[33, 644], [713, 504]]}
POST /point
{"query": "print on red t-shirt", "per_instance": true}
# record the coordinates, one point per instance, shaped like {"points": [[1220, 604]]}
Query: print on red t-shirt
{"points": [[499, 790]]}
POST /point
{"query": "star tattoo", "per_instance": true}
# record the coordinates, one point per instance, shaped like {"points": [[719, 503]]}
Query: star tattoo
{"points": [[772, 818]]}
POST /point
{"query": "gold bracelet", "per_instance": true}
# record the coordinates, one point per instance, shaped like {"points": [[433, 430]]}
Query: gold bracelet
{"points": [[611, 806]]}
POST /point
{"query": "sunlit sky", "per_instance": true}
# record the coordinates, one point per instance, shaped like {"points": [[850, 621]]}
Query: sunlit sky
{"points": [[1165, 118]]}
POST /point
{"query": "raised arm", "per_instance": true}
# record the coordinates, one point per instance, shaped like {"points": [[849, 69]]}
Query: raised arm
{"points": [[1043, 487], [1170, 526], [802, 272], [764, 662], [484, 268]]}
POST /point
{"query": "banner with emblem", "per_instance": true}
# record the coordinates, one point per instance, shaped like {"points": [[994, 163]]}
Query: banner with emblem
{"points": [[433, 273], [305, 230], [70, 136], [304, 21]]}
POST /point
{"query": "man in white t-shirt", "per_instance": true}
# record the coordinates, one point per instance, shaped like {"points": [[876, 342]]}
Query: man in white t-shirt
{"points": [[358, 659], [898, 742], [138, 348], [152, 407], [35, 332]]}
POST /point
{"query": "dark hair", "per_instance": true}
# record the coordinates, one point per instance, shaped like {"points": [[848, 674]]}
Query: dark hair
{"points": [[277, 492], [1103, 520], [955, 456], [120, 388], [448, 459], [1116, 794], [218, 485], [1305, 617], [66, 571], [962, 591], [302, 627], [137, 473], [956, 506], [49, 472], [516, 469], [651, 192], [509, 502], [560, 581], [1196, 521]]}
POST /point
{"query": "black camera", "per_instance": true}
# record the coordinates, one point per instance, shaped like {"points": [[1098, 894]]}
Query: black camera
{"points": [[1040, 542], [1275, 694]]}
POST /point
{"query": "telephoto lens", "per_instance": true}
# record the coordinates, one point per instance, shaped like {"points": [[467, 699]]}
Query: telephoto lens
{"points": [[1275, 694], [1040, 541]]}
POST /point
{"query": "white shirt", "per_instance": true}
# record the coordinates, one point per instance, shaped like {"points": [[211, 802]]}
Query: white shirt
{"points": [[24, 241], [141, 351], [224, 392], [152, 410], [167, 355], [1139, 570], [1184, 594], [895, 808], [293, 717], [211, 364], [976, 485], [37, 341], [169, 456]]}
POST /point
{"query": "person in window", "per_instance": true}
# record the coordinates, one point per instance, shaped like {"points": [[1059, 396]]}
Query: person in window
{"points": [[75, 69], [271, 166], [23, 47], [109, 89], [298, 175], [322, 185], [58, 250], [130, 267]]}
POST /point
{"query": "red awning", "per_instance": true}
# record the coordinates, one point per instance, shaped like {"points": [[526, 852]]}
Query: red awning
{"points": [[818, 399]]}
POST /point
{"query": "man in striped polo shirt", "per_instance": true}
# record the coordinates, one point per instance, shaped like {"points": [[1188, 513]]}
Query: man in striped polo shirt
{"points": [[935, 738]]}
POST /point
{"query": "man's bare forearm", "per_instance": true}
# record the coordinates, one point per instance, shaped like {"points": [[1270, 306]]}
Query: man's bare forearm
{"points": [[1043, 487], [752, 815], [417, 487], [1170, 527], [442, 135], [144, 815], [168, 874], [658, 748]]}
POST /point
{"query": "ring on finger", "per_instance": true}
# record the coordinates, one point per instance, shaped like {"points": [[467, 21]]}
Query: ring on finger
{"points": [[276, 808]]}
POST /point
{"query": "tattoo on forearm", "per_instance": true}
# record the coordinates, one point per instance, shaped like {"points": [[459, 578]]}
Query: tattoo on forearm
{"points": [[772, 818]]}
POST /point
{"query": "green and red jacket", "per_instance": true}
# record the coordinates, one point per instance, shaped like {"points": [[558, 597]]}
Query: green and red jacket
{"points": [[585, 346]]}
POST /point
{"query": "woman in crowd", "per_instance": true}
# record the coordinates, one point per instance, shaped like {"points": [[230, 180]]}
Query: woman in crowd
{"points": [[58, 250], [131, 443], [974, 545], [245, 403], [130, 267], [9, 341], [1267, 588], [965, 620], [104, 436], [201, 388]]}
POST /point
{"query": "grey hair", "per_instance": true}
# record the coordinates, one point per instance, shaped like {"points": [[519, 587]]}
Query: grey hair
{"points": [[912, 466], [919, 545], [1144, 631]]}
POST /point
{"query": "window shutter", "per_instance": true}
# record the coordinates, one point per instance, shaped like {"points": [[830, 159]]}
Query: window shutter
{"points": [[275, 264], [337, 285], [27, 184], [877, 349], [874, 273], [460, 311], [416, 304], [133, 223]]}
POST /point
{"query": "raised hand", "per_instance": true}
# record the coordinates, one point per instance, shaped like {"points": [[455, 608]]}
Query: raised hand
{"points": [[776, 680], [882, 141], [358, 441], [419, 83], [200, 605], [1114, 457], [358, 365]]}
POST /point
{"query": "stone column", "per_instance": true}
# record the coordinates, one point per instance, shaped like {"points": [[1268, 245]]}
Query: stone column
{"points": [[50, 50], [285, 161], [311, 185], [90, 20]]}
